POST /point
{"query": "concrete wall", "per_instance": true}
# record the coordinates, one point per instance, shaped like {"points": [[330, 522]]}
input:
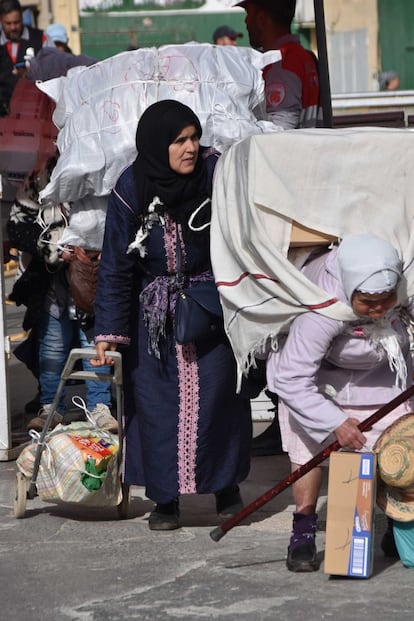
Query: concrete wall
{"points": [[353, 15], [64, 12]]}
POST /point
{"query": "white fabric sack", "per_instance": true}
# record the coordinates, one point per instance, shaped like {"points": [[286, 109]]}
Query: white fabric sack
{"points": [[98, 107], [86, 223], [332, 181]]}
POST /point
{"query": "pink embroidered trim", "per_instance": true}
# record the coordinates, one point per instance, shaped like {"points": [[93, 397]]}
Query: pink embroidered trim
{"points": [[113, 338], [188, 386], [170, 236], [188, 382]]}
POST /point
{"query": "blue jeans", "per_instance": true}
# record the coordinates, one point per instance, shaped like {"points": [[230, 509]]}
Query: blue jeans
{"points": [[56, 339]]}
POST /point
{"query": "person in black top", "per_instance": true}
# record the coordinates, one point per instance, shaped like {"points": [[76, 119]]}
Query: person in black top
{"points": [[17, 43]]}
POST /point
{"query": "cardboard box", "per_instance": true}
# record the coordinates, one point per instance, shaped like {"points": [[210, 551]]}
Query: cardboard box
{"points": [[349, 544], [302, 236]]}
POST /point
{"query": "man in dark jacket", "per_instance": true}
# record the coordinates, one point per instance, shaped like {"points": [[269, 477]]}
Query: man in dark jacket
{"points": [[17, 42]]}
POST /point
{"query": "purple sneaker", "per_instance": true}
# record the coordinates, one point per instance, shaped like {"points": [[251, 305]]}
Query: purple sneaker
{"points": [[302, 549]]}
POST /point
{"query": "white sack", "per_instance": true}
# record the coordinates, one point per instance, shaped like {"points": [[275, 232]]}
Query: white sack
{"points": [[98, 107], [86, 223]]}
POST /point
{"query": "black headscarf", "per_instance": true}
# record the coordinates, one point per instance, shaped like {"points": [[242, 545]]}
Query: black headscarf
{"points": [[158, 127]]}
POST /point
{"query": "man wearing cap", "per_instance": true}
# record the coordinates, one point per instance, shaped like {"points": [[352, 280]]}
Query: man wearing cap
{"points": [[291, 84], [53, 62], [59, 36], [224, 35], [18, 42]]}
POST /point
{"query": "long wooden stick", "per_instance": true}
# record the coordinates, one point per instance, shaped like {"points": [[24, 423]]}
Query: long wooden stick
{"points": [[224, 528]]}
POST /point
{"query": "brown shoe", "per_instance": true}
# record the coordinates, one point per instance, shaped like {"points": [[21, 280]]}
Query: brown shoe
{"points": [[39, 421]]}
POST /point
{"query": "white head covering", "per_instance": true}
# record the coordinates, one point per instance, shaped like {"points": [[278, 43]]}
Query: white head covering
{"points": [[370, 264], [367, 263]]}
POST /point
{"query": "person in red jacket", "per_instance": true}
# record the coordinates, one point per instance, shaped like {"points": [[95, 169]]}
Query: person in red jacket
{"points": [[291, 84], [17, 43]]}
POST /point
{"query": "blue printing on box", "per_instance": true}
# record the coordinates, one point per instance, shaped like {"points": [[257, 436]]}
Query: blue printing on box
{"points": [[366, 468], [362, 537], [359, 564]]}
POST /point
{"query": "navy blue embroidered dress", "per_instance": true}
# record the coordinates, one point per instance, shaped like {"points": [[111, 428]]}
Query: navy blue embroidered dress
{"points": [[186, 430]]}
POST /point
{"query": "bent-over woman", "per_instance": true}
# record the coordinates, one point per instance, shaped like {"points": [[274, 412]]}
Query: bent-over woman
{"points": [[330, 375]]}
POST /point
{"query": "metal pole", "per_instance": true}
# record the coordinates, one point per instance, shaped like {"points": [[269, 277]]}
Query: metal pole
{"points": [[325, 87]]}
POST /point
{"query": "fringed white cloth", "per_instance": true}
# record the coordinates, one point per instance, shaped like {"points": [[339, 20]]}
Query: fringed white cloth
{"points": [[382, 335], [333, 181]]}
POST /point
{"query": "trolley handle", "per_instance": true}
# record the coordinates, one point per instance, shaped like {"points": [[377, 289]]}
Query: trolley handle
{"points": [[90, 352]]}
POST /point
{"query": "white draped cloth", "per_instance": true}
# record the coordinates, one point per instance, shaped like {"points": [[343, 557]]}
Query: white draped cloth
{"points": [[332, 181]]}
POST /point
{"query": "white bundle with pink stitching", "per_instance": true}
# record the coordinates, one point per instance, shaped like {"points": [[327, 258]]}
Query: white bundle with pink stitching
{"points": [[98, 107]]}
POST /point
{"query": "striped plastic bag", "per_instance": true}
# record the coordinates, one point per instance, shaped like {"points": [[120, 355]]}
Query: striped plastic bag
{"points": [[79, 464]]}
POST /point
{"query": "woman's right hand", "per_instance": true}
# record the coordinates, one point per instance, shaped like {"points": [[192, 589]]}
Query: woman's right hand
{"points": [[349, 436], [102, 359]]}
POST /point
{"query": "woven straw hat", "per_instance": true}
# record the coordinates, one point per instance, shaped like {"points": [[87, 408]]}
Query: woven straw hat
{"points": [[395, 485]]}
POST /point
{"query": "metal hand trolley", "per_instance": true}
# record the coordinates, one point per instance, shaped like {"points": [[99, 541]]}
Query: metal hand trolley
{"points": [[26, 489]]}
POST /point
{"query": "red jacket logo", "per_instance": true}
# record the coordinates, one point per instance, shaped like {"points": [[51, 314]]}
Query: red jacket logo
{"points": [[275, 94]]}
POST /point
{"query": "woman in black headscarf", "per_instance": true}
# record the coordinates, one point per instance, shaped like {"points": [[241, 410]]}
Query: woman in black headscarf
{"points": [[186, 429]]}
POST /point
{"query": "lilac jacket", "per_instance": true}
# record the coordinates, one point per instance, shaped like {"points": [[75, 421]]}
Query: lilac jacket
{"points": [[320, 352]]}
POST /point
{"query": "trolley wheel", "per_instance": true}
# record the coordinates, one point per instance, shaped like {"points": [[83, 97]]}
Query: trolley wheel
{"points": [[124, 504], [20, 495]]}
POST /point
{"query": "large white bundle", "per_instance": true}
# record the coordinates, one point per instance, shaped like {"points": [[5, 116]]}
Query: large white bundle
{"points": [[336, 181], [98, 107]]}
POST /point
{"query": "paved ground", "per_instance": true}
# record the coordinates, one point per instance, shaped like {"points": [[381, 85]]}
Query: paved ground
{"points": [[63, 563], [72, 563]]}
